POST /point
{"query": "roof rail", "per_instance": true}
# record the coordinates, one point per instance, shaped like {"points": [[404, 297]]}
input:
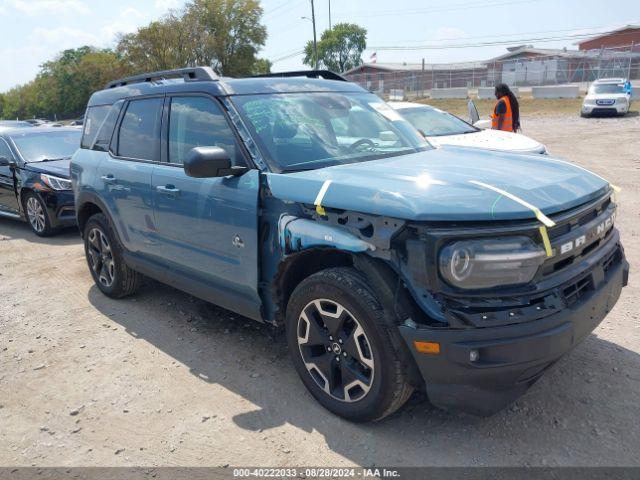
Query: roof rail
{"points": [[189, 74], [326, 74]]}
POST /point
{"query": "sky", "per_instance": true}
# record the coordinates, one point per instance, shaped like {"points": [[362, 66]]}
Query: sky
{"points": [[34, 31]]}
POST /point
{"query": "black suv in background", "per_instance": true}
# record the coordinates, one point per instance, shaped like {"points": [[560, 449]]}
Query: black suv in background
{"points": [[34, 176]]}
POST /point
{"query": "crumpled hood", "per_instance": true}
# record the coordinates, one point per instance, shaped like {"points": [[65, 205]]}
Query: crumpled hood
{"points": [[59, 168], [435, 185], [491, 140]]}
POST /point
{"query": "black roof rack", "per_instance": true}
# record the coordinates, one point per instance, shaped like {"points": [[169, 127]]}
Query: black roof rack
{"points": [[326, 74], [190, 74]]}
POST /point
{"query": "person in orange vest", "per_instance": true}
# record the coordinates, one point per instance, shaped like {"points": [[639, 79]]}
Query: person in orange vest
{"points": [[506, 113]]}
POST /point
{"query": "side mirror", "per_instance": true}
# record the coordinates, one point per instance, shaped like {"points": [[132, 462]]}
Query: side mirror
{"points": [[5, 162], [208, 162]]}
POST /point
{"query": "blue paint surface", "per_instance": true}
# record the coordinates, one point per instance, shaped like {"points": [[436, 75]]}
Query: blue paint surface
{"points": [[435, 185]]}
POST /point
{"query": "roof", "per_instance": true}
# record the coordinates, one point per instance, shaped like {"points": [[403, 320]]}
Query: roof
{"points": [[610, 80], [222, 87], [410, 67], [552, 52], [631, 26]]}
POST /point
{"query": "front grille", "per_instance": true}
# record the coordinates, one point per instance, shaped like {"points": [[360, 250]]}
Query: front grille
{"points": [[577, 290], [576, 236]]}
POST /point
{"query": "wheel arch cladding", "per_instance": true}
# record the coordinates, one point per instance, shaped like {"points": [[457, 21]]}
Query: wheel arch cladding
{"points": [[294, 268], [85, 212]]}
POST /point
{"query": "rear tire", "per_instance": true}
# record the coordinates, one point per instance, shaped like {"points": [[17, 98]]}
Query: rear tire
{"points": [[37, 215], [110, 273], [341, 344]]}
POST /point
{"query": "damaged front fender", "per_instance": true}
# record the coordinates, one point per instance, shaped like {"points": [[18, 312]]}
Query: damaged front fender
{"points": [[296, 234]]}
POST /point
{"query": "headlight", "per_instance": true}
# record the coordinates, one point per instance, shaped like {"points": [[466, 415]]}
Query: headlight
{"points": [[476, 264], [56, 183]]}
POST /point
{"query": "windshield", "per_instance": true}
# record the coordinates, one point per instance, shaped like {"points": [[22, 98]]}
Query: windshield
{"points": [[47, 146], [607, 88], [304, 131], [434, 123]]}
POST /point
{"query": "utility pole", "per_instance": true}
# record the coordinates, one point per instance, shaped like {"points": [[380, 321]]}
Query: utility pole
{"points": [[329, 14], [315, 41]]}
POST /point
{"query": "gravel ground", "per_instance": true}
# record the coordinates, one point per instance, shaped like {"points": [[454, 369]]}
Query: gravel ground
{"points": [[166, 379]]}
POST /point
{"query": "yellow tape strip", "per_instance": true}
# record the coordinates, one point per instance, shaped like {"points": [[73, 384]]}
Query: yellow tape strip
{"points": [[542, 218], [318, 203], [536, 211], [545, 241]]}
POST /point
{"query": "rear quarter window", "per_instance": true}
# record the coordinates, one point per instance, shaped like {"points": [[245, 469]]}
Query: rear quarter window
{"points": [[93, 120]]}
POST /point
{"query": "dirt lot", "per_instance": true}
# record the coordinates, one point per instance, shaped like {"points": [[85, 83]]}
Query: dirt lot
{"points": [[165, 379]]}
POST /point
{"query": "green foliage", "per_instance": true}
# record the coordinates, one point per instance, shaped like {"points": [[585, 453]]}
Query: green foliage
{"points": [[339, 49], [64, 85], [224, 34]]}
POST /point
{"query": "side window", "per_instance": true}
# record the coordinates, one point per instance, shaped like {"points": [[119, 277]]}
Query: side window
{"points": [[92, 121], [139, 135], [199, 122], [105, 131], [5, 151]]}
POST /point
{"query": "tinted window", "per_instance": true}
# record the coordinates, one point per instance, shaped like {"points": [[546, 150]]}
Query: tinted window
{"points": [[140, 129], [93, 119], [5, 151], [434, 122], [198, 122], [57, 144], [105, 132]]}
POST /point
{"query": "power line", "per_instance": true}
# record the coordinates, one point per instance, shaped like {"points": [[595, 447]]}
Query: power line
{"points": [[494, 43], [425, 11]]}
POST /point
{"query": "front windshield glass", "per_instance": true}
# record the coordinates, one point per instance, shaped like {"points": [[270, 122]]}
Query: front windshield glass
{"points": [[435, 123], [304, 131], [607, 88], [47, 145]]}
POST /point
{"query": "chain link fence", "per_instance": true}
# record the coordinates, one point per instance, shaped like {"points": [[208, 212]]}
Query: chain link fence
{"points": [[532, 67]]}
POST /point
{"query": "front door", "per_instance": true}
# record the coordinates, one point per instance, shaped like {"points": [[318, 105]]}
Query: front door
{"points": [[8, 199], [208, 227]]}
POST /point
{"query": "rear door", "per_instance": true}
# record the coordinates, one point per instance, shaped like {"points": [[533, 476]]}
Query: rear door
{"points": [[208, 226], [8, 200], [124, 174]]}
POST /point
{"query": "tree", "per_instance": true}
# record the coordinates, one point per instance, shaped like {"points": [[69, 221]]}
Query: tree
{"points": [[63, 86], [340, 48], [161, 45], [261, 66], [229, 34]]}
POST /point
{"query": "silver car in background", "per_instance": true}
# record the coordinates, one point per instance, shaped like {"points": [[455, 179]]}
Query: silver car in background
{"points": [[607, 96]]}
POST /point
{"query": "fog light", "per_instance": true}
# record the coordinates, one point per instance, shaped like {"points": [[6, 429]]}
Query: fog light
{"points": [[474, 355]]}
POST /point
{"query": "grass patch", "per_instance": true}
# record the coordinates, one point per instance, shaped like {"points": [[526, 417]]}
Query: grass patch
{"points": [[528, 106]]}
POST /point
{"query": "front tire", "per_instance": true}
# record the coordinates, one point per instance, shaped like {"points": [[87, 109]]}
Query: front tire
{"points": [[340, 340], [110, 273], [37, 216]]}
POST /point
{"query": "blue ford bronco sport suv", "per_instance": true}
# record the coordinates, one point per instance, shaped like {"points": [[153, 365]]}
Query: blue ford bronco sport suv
{"points": [[303, 200]]}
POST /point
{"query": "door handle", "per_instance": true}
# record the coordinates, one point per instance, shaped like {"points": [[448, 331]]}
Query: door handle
{"points": [[168, 190], [110, 179]]}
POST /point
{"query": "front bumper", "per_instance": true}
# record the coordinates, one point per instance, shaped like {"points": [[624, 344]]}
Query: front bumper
{"points": [[60, 207], [512, 357], [614, 109]]}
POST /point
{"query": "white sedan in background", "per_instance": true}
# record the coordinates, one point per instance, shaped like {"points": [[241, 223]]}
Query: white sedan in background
{"points": [[442, 128], [607, 96]]}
